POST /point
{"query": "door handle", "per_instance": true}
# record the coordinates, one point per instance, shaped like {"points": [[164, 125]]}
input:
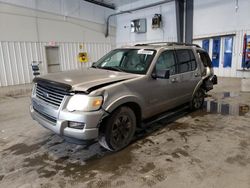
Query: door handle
{"points": [[196, 74], [174, 80]]}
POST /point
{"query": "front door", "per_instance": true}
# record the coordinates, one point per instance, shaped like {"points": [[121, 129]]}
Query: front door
{"points": [[164, 92], [52, 57]]}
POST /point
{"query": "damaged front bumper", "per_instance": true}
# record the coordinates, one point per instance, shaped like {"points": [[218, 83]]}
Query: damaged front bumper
{"points": [[62, 122]]}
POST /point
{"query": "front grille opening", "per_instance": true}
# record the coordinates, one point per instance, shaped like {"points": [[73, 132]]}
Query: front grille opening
{"points": [[50, 95]]}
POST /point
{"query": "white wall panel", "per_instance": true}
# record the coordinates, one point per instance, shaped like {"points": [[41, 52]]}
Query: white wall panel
{"points": [[24, 24], [49, 6], [168, 31], [71, 8], [16, 58], [217, 16]]}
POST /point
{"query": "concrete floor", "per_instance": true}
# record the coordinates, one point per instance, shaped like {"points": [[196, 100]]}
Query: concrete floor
{"points": [[206, 148]]}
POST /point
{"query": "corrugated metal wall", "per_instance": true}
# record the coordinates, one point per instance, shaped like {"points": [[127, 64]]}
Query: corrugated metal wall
{"points": [[16, 58]]}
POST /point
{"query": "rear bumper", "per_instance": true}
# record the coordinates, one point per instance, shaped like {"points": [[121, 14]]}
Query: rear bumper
{"points": [[61, 125]]}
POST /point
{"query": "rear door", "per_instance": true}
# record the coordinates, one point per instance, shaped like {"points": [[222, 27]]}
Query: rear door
{"points": [[189, 73]]}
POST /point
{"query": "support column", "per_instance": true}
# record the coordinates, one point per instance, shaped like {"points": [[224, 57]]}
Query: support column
{"points": [[189, 21], [179, 6]]}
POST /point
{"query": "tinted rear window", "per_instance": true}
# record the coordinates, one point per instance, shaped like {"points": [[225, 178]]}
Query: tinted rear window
{"points": [[186, 60], [205, 59]]}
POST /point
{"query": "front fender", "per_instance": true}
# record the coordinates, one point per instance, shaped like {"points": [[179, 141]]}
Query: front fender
{"points": [[122, 100]]}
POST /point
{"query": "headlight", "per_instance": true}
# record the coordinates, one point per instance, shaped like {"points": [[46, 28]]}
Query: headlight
{"points": [[84, 103]]}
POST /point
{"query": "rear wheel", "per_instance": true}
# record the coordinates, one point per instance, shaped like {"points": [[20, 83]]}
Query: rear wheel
{"points": [[198, 99], [118, 130]]}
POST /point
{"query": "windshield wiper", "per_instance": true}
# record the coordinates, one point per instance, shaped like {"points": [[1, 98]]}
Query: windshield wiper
{"points": [[112, 68]]}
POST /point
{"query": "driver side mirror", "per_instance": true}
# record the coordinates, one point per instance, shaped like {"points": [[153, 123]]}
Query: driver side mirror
{"points": [[163, 74]]}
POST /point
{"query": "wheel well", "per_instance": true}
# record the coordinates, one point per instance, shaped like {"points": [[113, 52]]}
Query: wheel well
{"points": [[133, 106], [137, 110]]}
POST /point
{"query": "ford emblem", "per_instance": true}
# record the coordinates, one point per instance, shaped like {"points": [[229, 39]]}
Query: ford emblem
{"points": [[45, 94]]}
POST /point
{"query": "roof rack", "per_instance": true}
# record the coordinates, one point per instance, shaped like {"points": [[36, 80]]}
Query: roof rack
{"points": [[168, 44]]}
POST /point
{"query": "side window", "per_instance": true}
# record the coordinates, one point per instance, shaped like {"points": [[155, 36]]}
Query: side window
{"points": [[205, 59], [166, 61], [186, 61]]}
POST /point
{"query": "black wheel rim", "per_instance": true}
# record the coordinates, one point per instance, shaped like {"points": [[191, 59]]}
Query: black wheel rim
{"points": [[121, 131], [198, 100]]}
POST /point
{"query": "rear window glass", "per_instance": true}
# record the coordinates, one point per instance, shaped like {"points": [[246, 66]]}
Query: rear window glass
{"points": [[205, 59], [186, 61]]}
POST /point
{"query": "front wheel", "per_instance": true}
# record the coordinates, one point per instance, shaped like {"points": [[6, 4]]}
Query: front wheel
{"points": [[118, 130], [198, 99]]}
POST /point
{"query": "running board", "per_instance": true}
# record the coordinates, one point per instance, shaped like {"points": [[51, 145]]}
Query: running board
{"points": [[170, 116]]}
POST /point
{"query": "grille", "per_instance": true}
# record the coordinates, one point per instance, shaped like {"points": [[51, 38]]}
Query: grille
{"points": [[50, 95]]}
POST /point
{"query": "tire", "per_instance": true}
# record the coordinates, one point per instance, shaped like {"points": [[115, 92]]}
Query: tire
{"points": [[197, 100], [117, 131]]}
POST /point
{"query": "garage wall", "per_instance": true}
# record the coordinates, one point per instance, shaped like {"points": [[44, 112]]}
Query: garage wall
{"points": [[35, 25], [24, 34], [216, 18], [168, 32], [16, 58], [70, 8]]}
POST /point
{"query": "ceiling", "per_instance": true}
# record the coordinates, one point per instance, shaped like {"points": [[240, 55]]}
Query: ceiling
{"points": [[116, 3]]}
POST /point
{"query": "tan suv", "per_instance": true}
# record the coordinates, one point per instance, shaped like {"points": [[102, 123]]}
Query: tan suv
{"points": [[109, 100]]}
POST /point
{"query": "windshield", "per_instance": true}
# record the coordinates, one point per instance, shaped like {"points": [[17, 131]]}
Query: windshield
{"points": [[127, 60]]}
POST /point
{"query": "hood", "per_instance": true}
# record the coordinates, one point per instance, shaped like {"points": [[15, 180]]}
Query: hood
{"points": [[87, 79]]}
